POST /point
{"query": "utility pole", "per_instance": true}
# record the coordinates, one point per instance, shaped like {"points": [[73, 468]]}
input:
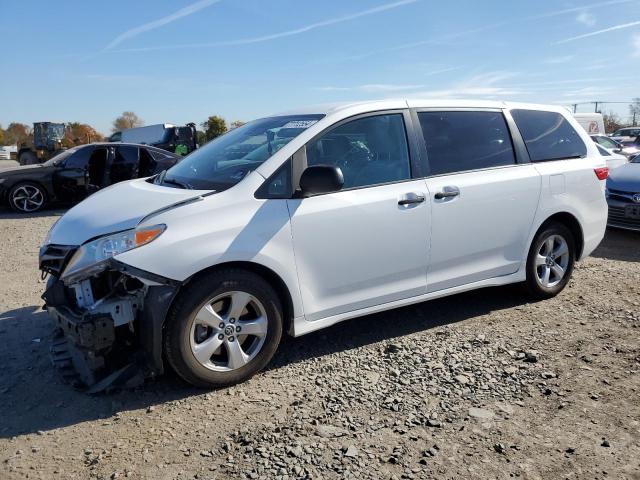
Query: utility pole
{"points": [[596, 108]]}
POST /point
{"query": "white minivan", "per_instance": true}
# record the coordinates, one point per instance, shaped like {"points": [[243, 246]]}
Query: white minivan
{"points": [[297, 221]]}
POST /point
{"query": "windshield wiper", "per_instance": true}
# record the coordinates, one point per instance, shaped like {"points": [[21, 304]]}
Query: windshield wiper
{"points": [[161, 179], [178, 183]]}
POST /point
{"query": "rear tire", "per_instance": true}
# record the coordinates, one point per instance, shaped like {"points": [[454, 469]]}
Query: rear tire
{"points": [[550, 261], [223, 329]]}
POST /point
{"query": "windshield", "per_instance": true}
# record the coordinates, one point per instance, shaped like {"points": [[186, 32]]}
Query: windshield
{"points": [[223, 162], [636, 159], [59, 158]]}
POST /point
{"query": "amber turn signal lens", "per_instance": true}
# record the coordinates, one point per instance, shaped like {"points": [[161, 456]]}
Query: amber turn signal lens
{"points": [[146, 235]]}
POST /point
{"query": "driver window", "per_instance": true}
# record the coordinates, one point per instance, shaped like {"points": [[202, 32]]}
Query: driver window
{"points": [[369, 151]]}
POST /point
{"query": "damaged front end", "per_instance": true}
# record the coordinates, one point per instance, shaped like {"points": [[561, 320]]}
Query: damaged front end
{"points": [[108, 320]]}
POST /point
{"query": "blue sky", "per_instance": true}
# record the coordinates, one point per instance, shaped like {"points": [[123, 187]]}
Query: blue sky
{"points": [[180, 61]]}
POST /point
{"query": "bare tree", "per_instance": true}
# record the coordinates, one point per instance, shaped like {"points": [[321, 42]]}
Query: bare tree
{"points": [[634, 111], [612, 122], [127, 120]]}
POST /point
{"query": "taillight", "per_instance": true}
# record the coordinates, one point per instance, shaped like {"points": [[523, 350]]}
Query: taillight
{"points": [[601, 173]]}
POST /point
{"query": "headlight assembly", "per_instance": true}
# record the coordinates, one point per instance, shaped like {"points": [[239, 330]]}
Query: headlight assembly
{"points": [[92, 254]]}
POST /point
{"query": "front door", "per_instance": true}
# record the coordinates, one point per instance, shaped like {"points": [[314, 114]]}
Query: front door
{"points": [[70, 178], [368, 243], [482, 200]]}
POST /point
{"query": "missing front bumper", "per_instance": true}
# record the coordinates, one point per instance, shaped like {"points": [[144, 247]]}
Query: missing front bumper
{"points": [[117, 342]]}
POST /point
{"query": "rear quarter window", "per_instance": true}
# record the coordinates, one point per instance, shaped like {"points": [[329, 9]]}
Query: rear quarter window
{"points": [[548, 135]]}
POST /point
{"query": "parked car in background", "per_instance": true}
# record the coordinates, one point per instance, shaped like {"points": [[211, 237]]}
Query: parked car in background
{"points": [[180, 140], [76, 173], [626, 134], [623, 196], [614, 160], [628, 149], [8, 152], [610, 144], [295, 222]]}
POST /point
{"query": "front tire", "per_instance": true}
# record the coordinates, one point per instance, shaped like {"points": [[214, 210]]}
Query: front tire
{"points": [[27, 197], [223, 329], [28, 158], [550, 261]]}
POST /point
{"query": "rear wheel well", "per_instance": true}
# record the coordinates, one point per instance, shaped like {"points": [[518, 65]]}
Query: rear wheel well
{"points": [[267, 274], [572, 224]]}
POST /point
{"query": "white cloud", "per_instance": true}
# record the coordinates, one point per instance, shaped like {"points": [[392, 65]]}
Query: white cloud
{"points": [[636, 45], [183, 12], [588, 92], [286, 33], [599, 32], [586, 18], [372, 88], [558, 60], [485, 85]]}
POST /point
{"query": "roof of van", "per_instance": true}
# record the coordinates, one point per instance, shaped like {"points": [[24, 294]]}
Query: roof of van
{"points": [[330, 108]]}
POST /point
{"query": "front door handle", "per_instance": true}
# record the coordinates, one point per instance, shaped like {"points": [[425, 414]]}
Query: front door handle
{"points": [[447, 192], [411, 198]]}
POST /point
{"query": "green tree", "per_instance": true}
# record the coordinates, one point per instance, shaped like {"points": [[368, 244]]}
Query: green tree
{"points": [[236, 124], [612, 122], [214, 127], [201, 137], [1, 135], [127, 120]]}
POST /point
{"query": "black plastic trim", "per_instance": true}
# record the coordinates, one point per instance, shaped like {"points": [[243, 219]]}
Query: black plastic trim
{"points": [[137, 272]]}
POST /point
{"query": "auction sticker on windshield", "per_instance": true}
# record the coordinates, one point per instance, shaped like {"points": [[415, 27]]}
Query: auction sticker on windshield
{"points": [[299, 124]]}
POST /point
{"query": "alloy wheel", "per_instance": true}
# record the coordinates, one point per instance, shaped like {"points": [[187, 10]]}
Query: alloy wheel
{"points": [[228, 331], [552, 261], [28, 198]]}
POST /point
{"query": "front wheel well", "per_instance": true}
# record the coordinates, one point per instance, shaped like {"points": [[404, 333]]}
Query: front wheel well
{"points": [[572, 223], [267, 274]]}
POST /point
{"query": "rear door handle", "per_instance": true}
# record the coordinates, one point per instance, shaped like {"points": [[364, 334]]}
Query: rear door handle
{"points": [[411, 198], [447, 192]]}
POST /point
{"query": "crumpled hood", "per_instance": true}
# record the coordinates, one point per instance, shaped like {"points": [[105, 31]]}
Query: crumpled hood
{"points": [[625, 178], [116, 208]]}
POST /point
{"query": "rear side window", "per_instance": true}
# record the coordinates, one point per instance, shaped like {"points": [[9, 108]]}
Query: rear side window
{"points": [[548, 135], [461, 141], [125, 164]]}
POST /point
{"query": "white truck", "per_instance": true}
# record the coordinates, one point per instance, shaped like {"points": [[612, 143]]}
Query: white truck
{"points": [[181, 140], [593, 123]]}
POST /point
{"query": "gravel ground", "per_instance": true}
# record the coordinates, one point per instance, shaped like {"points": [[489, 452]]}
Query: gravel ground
{"points": [[480, 385]]}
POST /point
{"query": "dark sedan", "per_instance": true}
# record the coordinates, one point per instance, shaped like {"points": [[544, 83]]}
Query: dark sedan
{"points": [[78, 172], [623, 196]]}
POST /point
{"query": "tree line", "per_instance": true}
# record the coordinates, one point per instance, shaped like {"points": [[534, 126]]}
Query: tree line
{"points": [[78, 133]]}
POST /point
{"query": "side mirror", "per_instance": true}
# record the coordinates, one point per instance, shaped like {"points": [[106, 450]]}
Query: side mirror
{"points": [[617, 150], [321, 179]]}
